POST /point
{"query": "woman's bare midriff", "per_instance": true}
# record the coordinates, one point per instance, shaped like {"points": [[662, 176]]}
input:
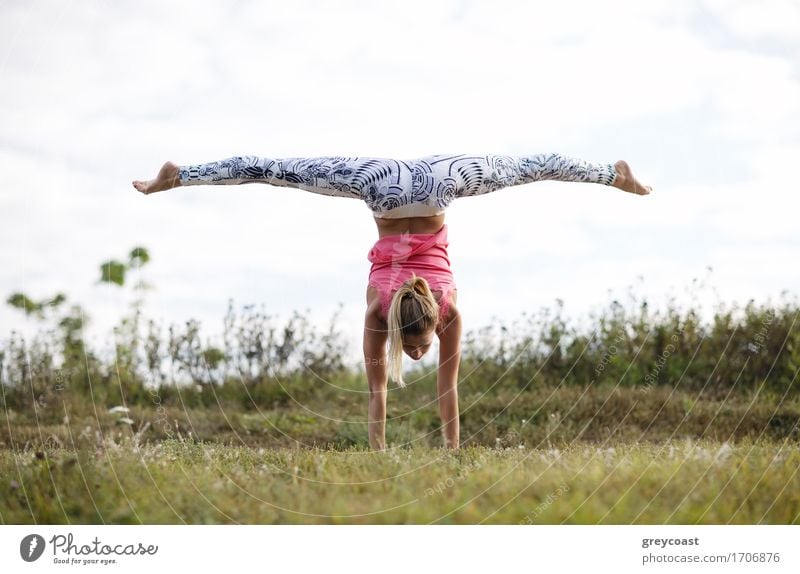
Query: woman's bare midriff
{"points": [[430, 224]]}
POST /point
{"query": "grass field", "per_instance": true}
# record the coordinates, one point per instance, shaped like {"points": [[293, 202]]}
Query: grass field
{"points": [[183, 481], [643, 416]]}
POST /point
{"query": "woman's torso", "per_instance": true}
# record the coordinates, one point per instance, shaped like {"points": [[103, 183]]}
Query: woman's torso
{"points": [[388, 227]]}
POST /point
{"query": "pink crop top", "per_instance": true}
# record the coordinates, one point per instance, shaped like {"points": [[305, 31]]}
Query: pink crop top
{"points": [[395, 257]]}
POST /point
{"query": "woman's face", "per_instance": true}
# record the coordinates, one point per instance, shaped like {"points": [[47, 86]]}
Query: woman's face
{"points": [[415, 346]]}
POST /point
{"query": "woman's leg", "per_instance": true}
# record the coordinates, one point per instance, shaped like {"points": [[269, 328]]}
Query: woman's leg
{"points": [[336, 176], [509, 170], [382, 183], [451, 176]]}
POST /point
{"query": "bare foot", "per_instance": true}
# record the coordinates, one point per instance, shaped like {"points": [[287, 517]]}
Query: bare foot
{"points": [[626, 182], [167, 178]]}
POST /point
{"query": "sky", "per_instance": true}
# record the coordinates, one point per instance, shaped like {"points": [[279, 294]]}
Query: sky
{"points": [[701, 98]]}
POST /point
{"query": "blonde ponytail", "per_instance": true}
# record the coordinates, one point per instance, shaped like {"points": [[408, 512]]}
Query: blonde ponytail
{"points": [[413, 311]]}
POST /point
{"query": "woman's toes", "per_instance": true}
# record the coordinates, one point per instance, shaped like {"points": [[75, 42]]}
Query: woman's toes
{"points": [[167, 178], [627, 182], [149, 186]]}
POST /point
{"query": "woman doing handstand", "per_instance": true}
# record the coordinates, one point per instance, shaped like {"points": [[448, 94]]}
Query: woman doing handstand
{"points": [[411, 294]]}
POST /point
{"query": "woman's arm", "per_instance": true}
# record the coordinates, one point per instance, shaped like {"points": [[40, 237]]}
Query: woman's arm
{"points": [[447, 376], [375, 337]]}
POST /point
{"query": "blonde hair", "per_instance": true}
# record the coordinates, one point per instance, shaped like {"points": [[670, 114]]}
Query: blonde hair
{"points": [[413, 311]]}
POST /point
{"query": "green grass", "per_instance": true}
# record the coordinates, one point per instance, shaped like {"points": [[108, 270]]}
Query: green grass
{"points": [[638, 415], [176, 482], [333, 416]]}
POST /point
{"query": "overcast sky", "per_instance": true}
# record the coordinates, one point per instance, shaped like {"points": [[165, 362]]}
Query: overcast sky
{"points": [[702, 98]]}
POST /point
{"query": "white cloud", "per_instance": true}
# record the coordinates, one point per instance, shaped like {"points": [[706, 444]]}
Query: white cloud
{"points": [[774, 19], [101, 94]]}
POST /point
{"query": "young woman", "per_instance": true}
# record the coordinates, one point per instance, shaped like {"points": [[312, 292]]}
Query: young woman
{"points": [[411, 293]]}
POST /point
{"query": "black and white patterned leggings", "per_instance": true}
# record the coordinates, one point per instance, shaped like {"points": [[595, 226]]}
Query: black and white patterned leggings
{"points": [[395, 188]]}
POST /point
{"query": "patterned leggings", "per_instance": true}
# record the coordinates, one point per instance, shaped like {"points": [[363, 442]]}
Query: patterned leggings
{"points": [[395, 188]]}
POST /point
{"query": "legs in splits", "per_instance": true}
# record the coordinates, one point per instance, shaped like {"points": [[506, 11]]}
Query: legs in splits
{"points": [[387, 184]]}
